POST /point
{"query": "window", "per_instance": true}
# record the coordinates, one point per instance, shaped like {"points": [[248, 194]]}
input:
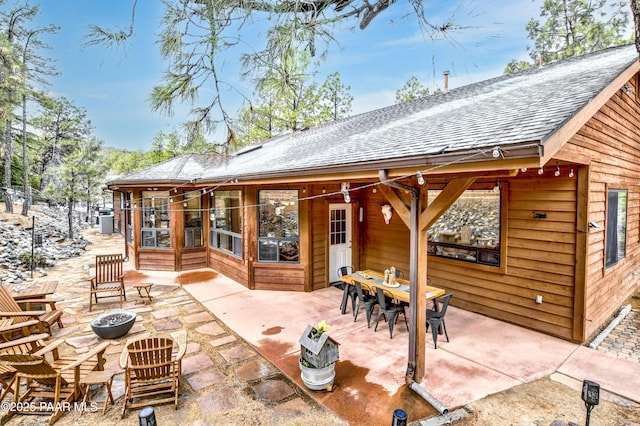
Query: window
{"points": [[155, 219], [129, 213], [616, 226], [470, 230], [338, 226], [192, 219], [278, 235], [226, 222]]}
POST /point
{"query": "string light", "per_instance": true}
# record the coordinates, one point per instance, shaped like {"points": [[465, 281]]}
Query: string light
{"points": [[420, 179], [470, 155], [540, 171], [571, 173], [496, 187], [557, 172], [523, 170]]}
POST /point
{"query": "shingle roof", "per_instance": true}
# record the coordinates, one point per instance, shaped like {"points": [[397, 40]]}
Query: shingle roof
{"points": [[526, 107]]}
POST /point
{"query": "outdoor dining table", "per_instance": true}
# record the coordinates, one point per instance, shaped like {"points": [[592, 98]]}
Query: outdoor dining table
{"points": [[399, 291]]}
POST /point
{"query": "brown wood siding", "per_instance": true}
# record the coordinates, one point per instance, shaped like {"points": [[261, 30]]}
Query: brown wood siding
{"points": [[541, 256], [156, 259], [541, 260], [193, 259], [319, 241], [610, 139], [229, 265], [278, 276], [384, 245]]}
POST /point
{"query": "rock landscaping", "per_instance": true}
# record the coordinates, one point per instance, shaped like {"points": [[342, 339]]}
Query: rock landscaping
{"points": [[17, 238]]}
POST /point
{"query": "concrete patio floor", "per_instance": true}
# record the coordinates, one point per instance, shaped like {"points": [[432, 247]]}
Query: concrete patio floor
{"points": [[484, 356]]}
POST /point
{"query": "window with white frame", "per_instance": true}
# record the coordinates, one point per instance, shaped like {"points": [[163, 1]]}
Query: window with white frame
{"points": [[225, 218], [278, 227], [156, 219]]}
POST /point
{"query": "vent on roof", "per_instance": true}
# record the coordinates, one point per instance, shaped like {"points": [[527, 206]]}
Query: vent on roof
{"points": [[247, 149]]}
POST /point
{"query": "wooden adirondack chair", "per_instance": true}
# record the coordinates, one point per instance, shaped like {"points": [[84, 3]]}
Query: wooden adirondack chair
{"points": [[54, 382], [152, 367], [108, 280], [9, 308], [25, 345]]}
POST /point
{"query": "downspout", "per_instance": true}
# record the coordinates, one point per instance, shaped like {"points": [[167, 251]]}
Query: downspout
{"points": [[413, 292]]}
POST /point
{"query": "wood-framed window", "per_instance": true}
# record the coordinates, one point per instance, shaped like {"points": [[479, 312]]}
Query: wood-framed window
{"points": [[616, 233], [470, 230], [156, 219], [278, 227], [192, 208], [225, 218], [128, 206]]}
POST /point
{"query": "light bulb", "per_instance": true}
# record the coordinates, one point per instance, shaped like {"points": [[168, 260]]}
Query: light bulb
{"points": [[557, 172], [496, 187], [540, 171], [347, 198], [524, 169], [420, 178], [571, 173]]}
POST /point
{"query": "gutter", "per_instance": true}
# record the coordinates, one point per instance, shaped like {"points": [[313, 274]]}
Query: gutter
{"points": [[413, 293]]}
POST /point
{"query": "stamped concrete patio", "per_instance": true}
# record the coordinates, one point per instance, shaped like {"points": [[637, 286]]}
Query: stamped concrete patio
{"points": [[241, 365], [484, 356]]}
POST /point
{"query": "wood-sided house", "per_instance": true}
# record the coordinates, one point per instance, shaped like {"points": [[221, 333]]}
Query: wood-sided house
{"points": [[526, 189]]}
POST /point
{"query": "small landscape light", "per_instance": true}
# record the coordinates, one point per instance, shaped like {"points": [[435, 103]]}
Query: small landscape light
{"points": [[590, 396]]}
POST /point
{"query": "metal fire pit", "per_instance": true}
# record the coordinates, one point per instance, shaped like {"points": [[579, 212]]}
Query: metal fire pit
{"points": [[113, 324]]}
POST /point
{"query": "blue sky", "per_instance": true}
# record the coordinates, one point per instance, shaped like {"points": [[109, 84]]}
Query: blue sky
{"points": [[113, 85]]}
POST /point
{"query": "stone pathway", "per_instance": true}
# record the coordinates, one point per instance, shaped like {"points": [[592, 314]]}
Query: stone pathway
{"points": [[224, 380], [624, 339]]}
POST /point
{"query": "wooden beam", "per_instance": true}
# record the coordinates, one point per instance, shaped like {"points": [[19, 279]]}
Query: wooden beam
{"points": [[399, 205], [582, 250], [421, 304], [451, 192]]}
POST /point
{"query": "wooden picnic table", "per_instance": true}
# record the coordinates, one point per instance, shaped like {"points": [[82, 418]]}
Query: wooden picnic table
{"points": [[371, 279]]}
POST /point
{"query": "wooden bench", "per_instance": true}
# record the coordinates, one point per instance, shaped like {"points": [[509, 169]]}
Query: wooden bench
{"points": [[108, 280]]}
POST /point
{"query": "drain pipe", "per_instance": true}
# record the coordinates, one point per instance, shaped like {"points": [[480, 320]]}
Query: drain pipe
{"points": [[413, 292]]}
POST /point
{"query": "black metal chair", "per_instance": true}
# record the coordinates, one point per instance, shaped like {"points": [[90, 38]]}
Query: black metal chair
{"points": [[365, 300], [390, 310], [348, 291], [435, 318]]}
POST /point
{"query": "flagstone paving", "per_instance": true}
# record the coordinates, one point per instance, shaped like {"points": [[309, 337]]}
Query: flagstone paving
{"points": [[224, 380]]}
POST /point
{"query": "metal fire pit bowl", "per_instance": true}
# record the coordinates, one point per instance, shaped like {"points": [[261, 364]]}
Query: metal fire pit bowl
{"points": [[113, 324]]}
